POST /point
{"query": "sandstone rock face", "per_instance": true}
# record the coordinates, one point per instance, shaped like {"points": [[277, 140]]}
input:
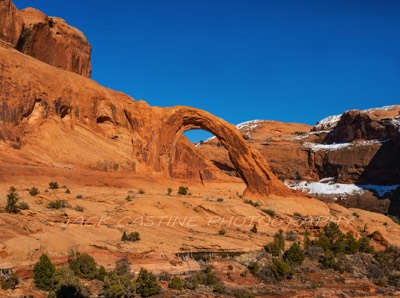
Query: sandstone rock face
{"points": [[11, 22], [359, 125], [53, 41], [47, 39], [80, 123]]}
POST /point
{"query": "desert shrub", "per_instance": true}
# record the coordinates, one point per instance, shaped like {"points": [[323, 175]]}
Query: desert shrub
{"points": [[141, 191], [206, 277], [34, 191], [327, 261], [254, 229], [394, 280], [53, 185], [254, 267], [165, 276], [242, 293], [146, 284], [10, 283], [219, 289], [222, 232], [83, 265], [123, 266], [101, 273], [169, 191], [279, 269], [23, 206], [12, 202], [269, 212], [67, 284], [132, 236], [314, 252], [220, 200], [230, 267], [365, 246], [254, 204], [183, 190], [67, 191], [294, 255], [297, 214], [43, 273], [291, 235], [57, 204], [176, 283], [278, 244], [78, 208], [116, 286], [79, 196], [12, 189]]}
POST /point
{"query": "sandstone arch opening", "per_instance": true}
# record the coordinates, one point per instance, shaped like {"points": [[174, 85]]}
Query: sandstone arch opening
{"points": [[250, 164]]}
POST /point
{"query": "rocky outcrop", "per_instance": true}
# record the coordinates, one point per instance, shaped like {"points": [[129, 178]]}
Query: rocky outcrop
{"points": [[47, 39], [11, 23], [71, 121], [359, 125]]}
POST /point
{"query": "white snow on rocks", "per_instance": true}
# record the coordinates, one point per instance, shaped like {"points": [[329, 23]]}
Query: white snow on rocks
{"points": [[333, 147], [326, 186]]}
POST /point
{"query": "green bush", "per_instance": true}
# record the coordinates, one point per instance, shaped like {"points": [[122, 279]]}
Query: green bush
{"points": [[12, 200], [183, 190], [279, 269], [269, 212], [119, 285], [294, 255], [176, 283], [43, 273], [132, 236], [53, 185], [327, 261], [66, 283], [83, 265], [146, 284], [10, 283], [34, 191], [222, 232], [57, 204], [23, 206], [169, 191], [242, 293], [254, 267], [254, 204], [277, 246], [254, 229], [365, 246]]}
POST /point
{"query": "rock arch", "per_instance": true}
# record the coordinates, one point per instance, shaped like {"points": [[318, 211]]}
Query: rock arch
{"points": [[250, 164]]}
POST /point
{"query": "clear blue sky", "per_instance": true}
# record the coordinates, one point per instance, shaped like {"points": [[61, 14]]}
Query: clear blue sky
{"points": [[293, 61]]}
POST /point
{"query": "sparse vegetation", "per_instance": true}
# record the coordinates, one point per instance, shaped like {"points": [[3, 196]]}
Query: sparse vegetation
{"points": [[220, 200], [132, 236], [57, 204], [254, 204], [43, 273], [254, 229], [13, 205], [279, 269], [78, 208], [10, 282], [34, 191], [269, 212], [254, 267], [294, 255], [141, 191], [222, 232], [176, 283], [53, 185], [183, 190], [169, 191], [67, 191], [79, 196], [146, 284], [277, 247]]}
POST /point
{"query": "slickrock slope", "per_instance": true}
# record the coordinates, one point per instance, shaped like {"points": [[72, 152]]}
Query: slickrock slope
{"points": [[48, 39]]}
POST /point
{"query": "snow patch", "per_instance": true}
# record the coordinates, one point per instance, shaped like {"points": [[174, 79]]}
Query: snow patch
{"points": [[326, 186], [249, 125], [333, 147]]}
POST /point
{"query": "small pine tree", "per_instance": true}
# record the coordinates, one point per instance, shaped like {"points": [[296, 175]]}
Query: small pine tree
{"points": [[83, 265], [294, 255], [277, 246], [124, 236], [43, 273], [176, 283], [12, 202], [146, 284], [279, 269], [254, 229]]}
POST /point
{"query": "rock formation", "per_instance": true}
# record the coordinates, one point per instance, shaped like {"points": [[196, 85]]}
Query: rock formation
{"points": [[48, 39], [99, 128]]}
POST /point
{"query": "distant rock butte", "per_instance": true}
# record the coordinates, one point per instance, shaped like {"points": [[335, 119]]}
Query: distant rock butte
{"points": [[48, 39]]}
